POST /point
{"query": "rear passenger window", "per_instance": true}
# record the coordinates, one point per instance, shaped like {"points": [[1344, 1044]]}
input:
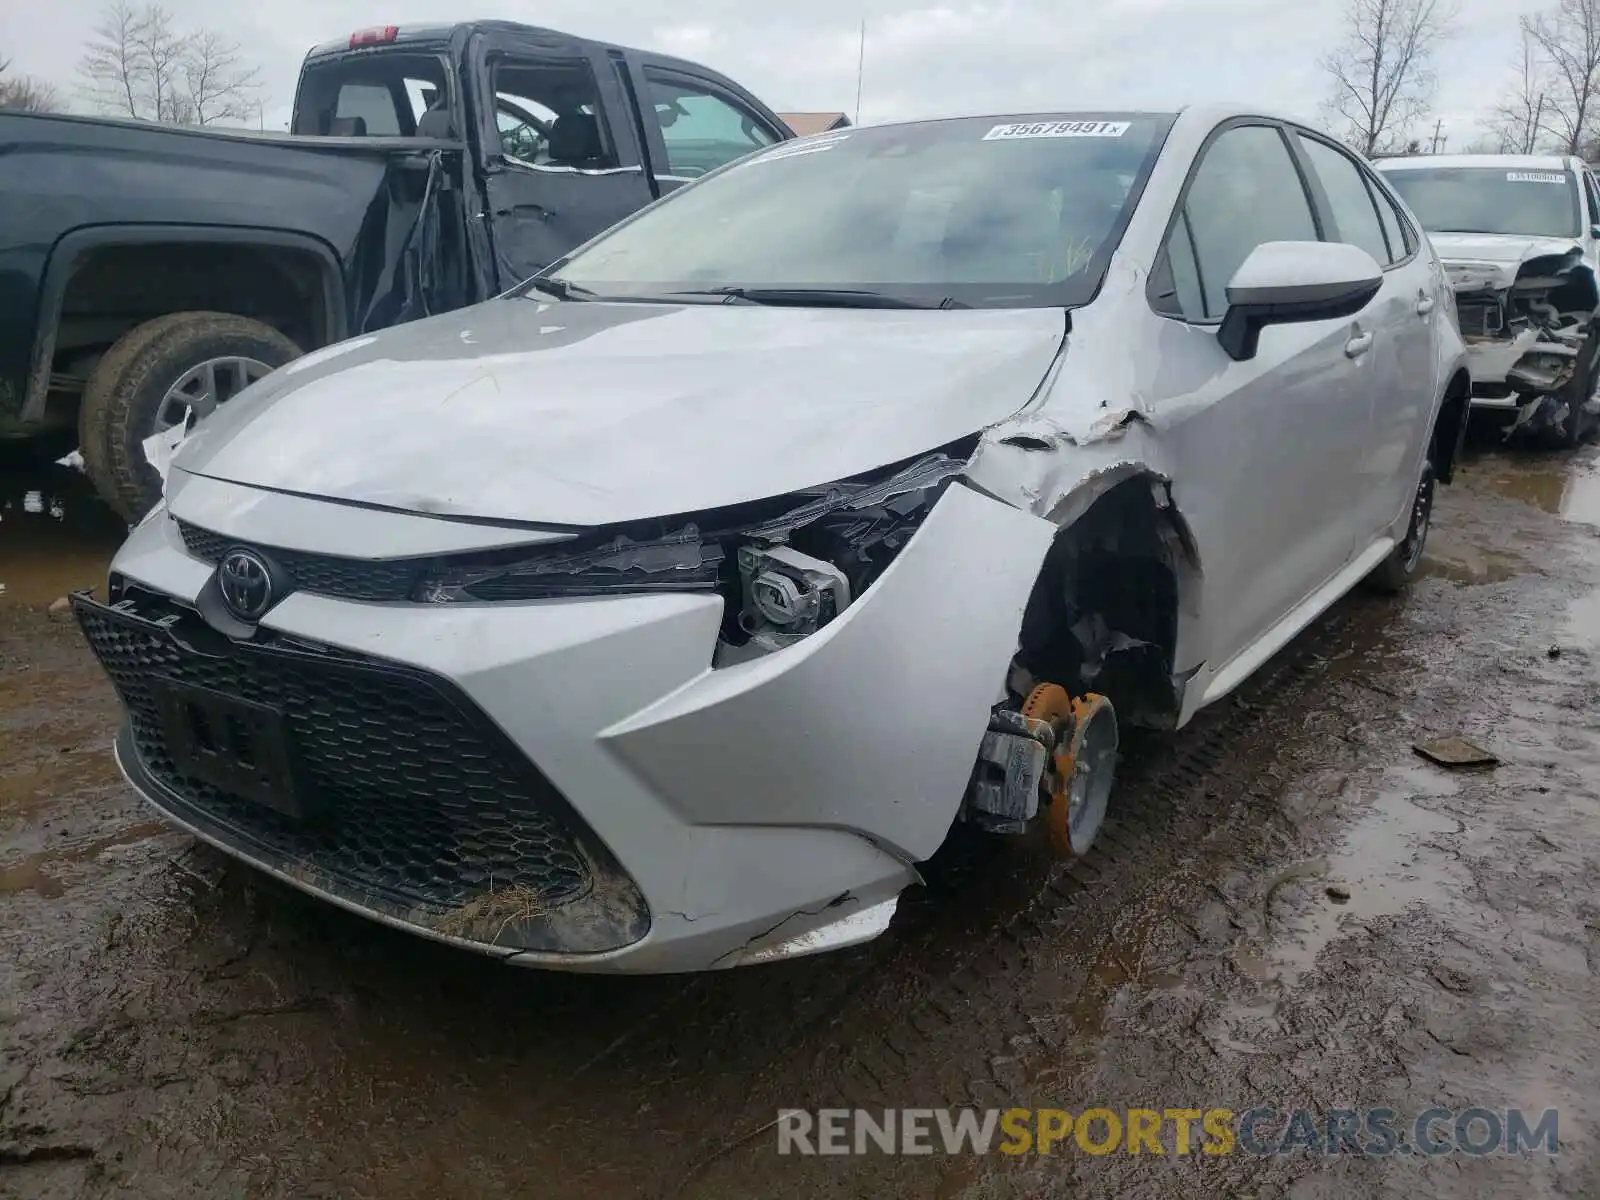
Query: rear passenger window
{"points": [[1350, 203], [1245, 191], [1393, 227]]}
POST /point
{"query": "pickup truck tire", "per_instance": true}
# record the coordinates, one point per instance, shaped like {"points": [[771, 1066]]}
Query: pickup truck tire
{"points": [[1396, 572], [130, 386]]}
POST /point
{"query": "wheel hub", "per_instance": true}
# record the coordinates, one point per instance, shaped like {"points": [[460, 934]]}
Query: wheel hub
{"points": [[204, 386]]}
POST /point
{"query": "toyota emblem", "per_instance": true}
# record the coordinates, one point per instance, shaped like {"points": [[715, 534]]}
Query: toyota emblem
{"points": [[246, 584]]}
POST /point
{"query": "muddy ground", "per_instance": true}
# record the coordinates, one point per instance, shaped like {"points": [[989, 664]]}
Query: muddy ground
{"points": [[1290, 909]]}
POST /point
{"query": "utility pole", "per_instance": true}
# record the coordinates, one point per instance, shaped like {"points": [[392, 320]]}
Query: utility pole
{"points": [[861, 67], [1437, 140], [1532, 138]]}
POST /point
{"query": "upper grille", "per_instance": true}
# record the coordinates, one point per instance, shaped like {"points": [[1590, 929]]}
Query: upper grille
{"points": [[431, 815], [324, 574]]}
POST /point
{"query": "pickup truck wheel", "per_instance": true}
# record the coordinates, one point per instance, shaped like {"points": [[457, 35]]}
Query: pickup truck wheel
{"points": [[1394, 573], [150, 379]]}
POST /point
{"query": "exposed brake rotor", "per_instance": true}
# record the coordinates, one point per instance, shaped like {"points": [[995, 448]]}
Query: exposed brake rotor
{"points": [[1084, 764]]}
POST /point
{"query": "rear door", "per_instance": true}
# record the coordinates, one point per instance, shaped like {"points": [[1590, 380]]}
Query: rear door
{"points": [[559, 151], [1394, 382], [695, 122]]}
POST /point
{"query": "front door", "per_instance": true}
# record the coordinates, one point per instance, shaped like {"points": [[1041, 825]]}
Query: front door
{"points": [[1267, 451], [561, 155], [694, 124]]}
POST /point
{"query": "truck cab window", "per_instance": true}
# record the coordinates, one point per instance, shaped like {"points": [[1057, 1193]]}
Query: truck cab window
{"points": [[375, 95], [701, 129], [548, 114]]}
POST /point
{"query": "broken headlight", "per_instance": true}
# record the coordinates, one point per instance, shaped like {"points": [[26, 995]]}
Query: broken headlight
{"points": [[676, 562], [785, 567]]}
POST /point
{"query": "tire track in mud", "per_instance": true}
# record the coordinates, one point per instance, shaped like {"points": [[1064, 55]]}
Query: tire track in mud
{"points": [[1175, 792]]}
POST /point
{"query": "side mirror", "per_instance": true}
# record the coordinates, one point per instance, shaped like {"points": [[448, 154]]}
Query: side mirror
{"points": [[1594, 231], [1285, 282]]}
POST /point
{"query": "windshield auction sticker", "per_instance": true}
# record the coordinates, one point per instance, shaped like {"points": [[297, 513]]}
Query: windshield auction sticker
{"points": [[1534, 177], [1057, 129]]}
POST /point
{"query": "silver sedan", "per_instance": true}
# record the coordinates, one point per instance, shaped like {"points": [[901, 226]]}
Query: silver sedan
{"points": [[665, 613]]}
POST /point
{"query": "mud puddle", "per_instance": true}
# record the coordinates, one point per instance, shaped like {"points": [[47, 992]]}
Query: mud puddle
{"points": [[1566, 486], [56, 535]]}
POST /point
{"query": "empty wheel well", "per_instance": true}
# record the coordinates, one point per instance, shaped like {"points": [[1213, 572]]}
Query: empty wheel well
{"points": [[1451, 427], [114, 288], [1106, 612]]}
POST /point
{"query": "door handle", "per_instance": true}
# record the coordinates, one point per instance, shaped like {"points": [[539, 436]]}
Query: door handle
{"points": [[1358, 345], [1424, 306]]}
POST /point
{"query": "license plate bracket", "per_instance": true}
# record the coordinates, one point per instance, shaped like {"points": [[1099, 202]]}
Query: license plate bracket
{"points": [[239, 746]]}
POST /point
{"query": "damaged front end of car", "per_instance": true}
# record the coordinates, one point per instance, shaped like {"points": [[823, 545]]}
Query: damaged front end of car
{"points": [[785, 567], [1530, 335]]}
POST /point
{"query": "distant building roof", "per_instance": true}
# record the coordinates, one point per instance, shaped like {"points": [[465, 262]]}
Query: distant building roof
{"points": [[814, 122]]}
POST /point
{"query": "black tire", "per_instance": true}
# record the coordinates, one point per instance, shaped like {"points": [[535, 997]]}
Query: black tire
{"points": [[1396, 572], [129, 387], [1570, 433]]}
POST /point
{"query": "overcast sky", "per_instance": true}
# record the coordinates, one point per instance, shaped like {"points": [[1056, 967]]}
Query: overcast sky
{"points": [[922, 57]]}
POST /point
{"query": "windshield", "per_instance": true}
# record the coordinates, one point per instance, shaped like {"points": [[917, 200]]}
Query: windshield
{"points": [[1490, 200], [993, 211]]}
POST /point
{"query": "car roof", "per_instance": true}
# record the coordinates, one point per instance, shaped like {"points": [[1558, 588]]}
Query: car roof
{"points": [[1533, 162], [1204, 116]]}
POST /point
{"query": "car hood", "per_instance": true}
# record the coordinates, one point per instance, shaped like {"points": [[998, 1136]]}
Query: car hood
{"points": [[591, 413], [1475, 261]]}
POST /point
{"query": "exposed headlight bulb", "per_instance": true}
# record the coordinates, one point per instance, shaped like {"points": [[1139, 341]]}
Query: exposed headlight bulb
{"points": [[787, 594]]}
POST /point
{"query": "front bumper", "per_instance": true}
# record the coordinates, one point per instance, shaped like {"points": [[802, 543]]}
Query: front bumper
{"points": [[702, 818]]}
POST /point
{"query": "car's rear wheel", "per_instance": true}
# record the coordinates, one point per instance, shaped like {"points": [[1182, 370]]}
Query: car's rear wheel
{"points": [[1405, 560], [150, 380]]}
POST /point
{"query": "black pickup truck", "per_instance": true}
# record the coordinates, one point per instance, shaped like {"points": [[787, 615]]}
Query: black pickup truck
{"points": [[147, 270]]}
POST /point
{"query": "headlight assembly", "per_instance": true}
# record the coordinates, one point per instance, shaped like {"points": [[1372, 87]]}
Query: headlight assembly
{"points": [[785, 567]]}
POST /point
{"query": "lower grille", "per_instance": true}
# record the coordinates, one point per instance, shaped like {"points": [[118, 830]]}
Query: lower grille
{"points": [[427, 814]]}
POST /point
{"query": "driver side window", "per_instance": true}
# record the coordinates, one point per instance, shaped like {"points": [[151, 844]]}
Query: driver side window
{"points": [[1245, 191], [702, 130]]}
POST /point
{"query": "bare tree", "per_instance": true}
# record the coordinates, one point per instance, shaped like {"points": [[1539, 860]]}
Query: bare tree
{"points": [[113, 68], [162, 50], [217, 85], [1382, 80], [26, 92], [142, 65], [1515, 122], [1568, 42]]}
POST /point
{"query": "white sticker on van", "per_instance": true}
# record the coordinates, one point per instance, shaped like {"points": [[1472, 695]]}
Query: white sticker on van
{"points": [[1057, 129], [1534, 177]]}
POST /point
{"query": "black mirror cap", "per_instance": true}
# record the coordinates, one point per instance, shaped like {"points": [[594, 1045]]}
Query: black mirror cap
{"points": [[1240, 332]]}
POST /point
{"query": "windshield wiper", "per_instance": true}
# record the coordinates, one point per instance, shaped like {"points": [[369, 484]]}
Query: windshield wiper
{"points": [[799, 297], [560, 288]]}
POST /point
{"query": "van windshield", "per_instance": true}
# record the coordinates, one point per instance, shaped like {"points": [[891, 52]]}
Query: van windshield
{"points": [[984, 212], [1490, 199]]}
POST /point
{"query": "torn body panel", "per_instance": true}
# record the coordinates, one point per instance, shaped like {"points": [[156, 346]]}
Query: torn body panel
{"points": [[791, 751], [1526, 308]]}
